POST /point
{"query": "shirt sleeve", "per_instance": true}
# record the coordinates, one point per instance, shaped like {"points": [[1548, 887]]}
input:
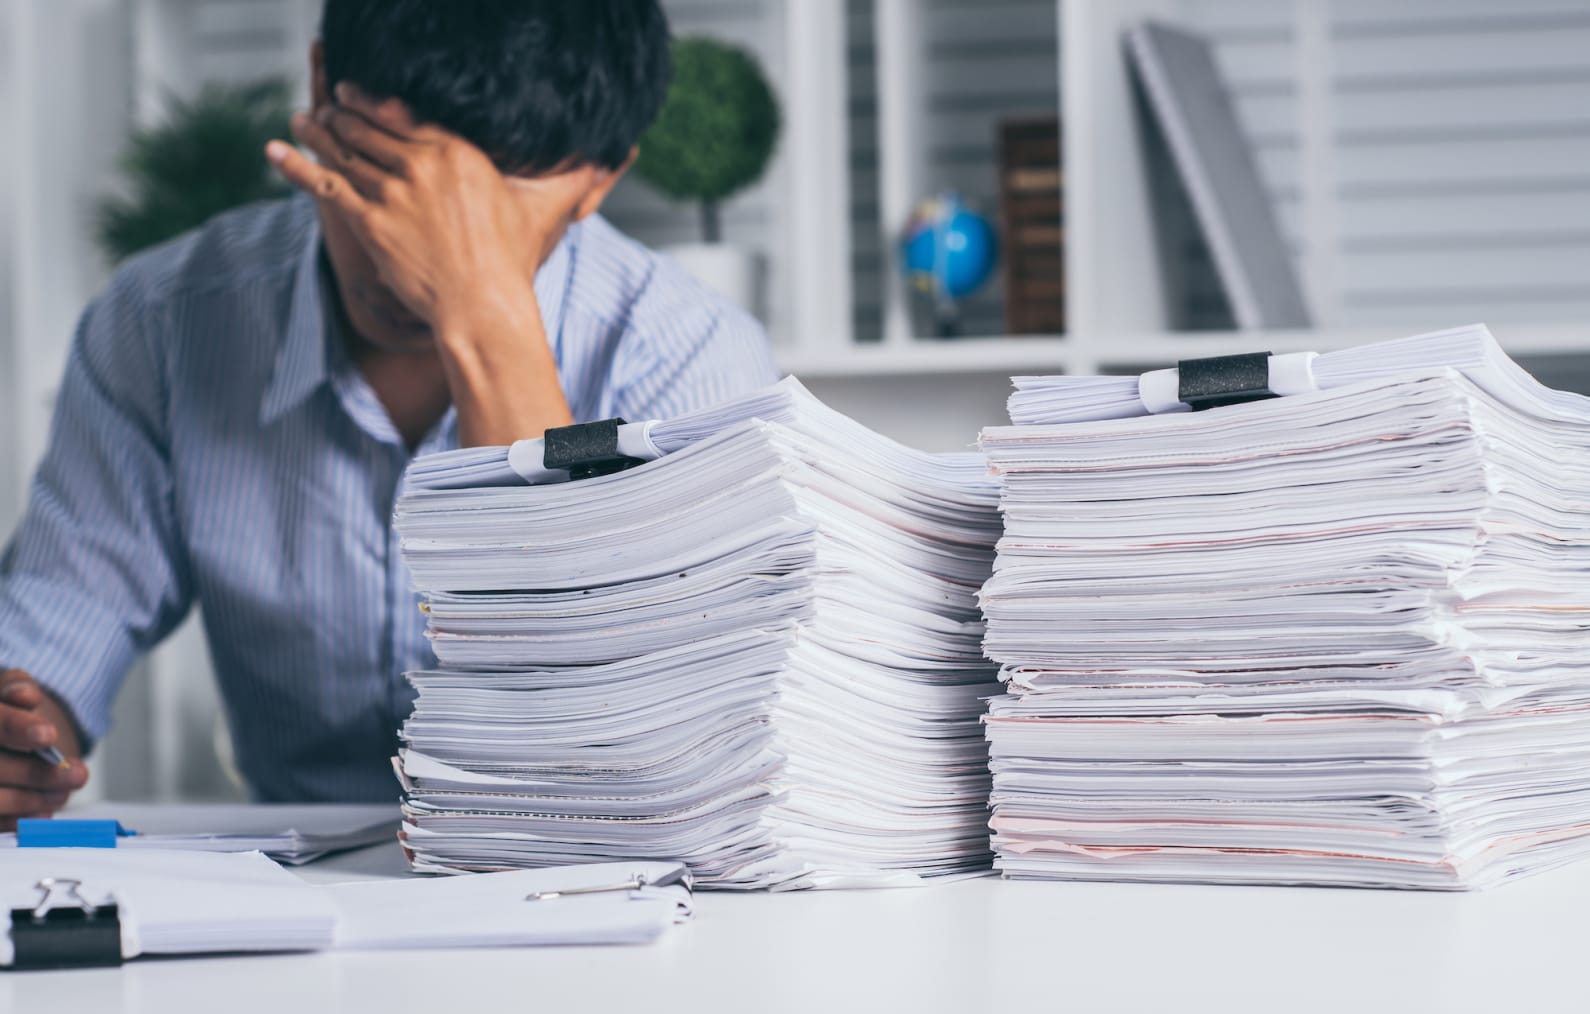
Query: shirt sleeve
{"points": [[95, 574], [708, 352]]}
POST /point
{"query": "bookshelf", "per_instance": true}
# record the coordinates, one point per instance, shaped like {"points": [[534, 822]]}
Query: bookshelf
{"points": [[1425, 158], [1353, 107]]}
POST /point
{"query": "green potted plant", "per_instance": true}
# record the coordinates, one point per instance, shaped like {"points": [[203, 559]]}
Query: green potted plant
{"points": [[204, 158], [713, 138]]}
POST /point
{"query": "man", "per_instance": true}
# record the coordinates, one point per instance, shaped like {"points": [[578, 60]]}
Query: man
{"points": [[239, 405]]}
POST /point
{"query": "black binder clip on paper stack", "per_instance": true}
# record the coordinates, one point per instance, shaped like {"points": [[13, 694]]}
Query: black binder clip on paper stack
{"points": [[1216, 381], [587, 450], [74, 933], [1223, 380]]}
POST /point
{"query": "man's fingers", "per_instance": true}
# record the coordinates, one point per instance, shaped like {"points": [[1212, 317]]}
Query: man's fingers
{"points": [[18, 689], [29, 787], [317, 181], [360, 135], [391, 115], [26, 802], [368, 179], [25, 771], [22, 730]]}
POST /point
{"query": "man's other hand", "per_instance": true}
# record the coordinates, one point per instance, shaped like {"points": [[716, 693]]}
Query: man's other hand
{"points": [[31, 720]]}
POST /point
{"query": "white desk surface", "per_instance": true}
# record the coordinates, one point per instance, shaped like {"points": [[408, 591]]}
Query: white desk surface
{"points": [[978, 945]]}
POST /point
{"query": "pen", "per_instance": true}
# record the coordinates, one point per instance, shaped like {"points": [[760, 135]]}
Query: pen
{"points": [[53, 756]]}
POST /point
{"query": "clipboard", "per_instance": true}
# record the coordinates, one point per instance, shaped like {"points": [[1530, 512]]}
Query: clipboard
{"points": [[75, 908]]}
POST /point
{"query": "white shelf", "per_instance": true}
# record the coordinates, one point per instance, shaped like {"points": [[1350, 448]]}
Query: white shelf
{"points": [[1165, 347], [1047, 353], [1012, 355]]}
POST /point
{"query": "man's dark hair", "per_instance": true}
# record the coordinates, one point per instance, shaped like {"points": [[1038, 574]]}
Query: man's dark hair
{"points": [[538, 85]]}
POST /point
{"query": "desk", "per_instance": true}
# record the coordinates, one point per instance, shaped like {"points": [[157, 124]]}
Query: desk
{"points": [[970, 946]]}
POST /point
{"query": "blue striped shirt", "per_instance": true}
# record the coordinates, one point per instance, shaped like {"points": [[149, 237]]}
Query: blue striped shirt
{"points": [[214, 445]]}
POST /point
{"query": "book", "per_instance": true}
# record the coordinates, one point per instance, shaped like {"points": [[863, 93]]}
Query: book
{"points": [[1192, 108], [1033, 218]]}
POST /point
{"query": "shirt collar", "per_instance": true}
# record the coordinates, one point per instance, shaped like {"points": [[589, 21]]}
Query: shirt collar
{"points": [[552, 287], [303, 365]]}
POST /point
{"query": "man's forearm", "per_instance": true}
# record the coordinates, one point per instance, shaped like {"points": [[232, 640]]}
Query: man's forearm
{"points": [[502, 373]]}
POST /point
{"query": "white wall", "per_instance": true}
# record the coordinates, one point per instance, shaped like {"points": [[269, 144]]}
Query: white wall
{"points": [[69, 65], [65, 110], [1456, 151], [10, 410]]}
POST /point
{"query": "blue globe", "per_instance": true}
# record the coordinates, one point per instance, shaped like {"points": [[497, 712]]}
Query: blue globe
{"points": [[948, 250]]}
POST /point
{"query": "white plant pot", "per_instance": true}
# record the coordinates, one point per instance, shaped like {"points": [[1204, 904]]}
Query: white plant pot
{"points": [[728, 270]]}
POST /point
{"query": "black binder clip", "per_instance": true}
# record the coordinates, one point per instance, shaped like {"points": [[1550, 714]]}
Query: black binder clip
{"points": [[1224, 380], [587, 449], [46, 937]]}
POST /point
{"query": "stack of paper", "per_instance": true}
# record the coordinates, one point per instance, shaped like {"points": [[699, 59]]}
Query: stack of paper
{"points": [[759, 654], [1339, 637]]}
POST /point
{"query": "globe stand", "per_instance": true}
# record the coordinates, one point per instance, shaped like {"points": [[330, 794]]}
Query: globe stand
{"points": [[946, 318]]}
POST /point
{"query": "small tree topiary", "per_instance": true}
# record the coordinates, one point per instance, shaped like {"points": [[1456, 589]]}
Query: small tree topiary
{"points": [[716, 131], [206, 157]]}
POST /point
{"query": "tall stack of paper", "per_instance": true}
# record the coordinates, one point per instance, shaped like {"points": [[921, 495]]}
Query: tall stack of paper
{"points": [[1339, 637], [759, 654]]}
